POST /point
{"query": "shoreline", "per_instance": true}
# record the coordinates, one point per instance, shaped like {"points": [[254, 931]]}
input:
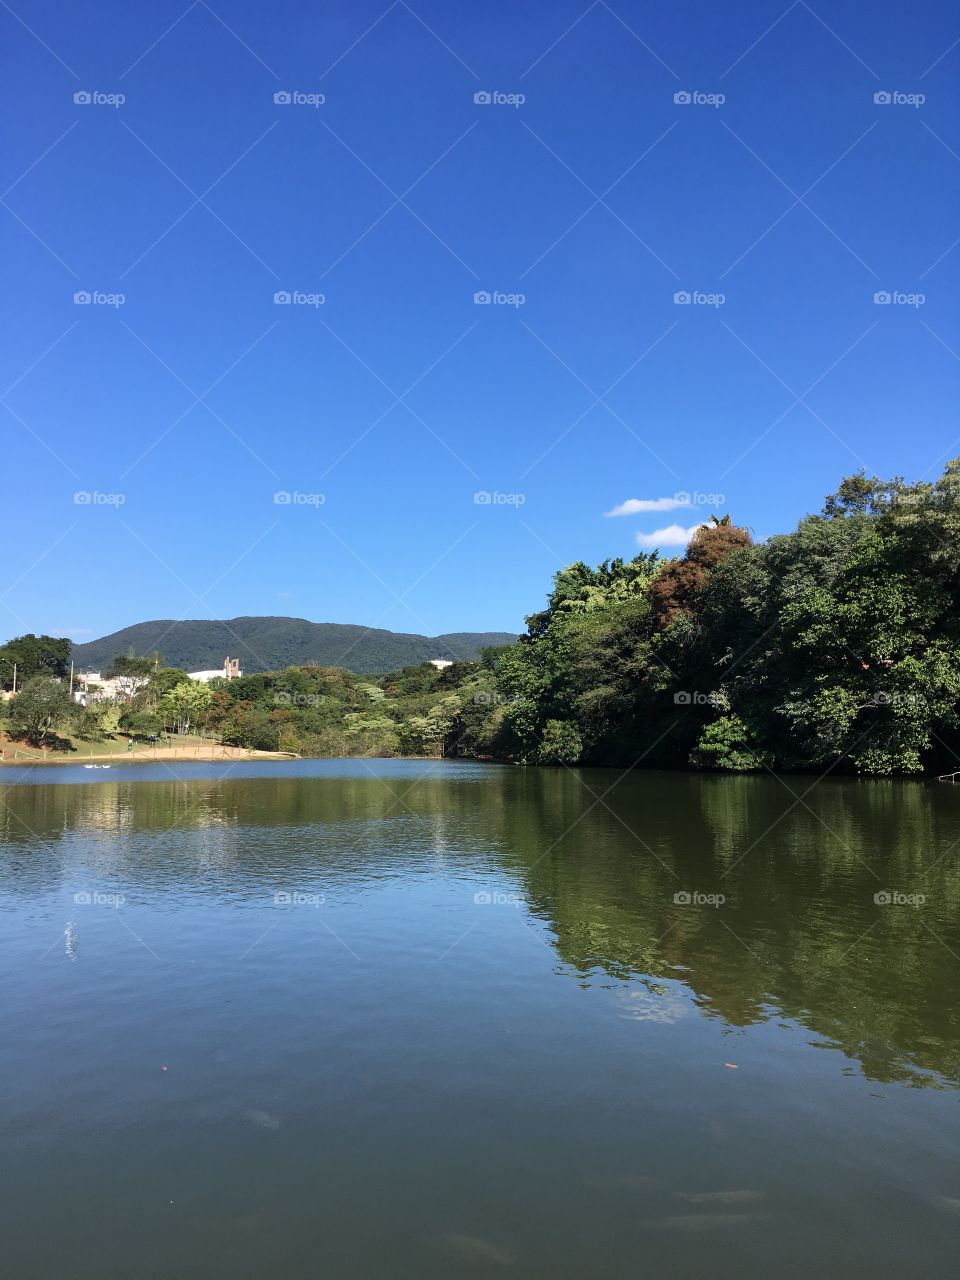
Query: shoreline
{"points": [[147, 755], [221, 754]]}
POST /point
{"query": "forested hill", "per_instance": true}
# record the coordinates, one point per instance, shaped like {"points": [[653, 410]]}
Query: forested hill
{"points": [[270, 644]]}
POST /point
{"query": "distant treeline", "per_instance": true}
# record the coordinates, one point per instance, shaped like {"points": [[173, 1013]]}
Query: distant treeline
{"points": [[835, 647]]}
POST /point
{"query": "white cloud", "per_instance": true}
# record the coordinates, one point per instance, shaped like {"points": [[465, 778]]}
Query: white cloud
{"points": [[674, 535], [636, 506]]}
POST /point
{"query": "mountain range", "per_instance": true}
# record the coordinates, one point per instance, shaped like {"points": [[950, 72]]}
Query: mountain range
{"points": [[269, 644]]}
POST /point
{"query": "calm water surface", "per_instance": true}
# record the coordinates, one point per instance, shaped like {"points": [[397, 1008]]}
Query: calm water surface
{"points": [[410, 1019]]}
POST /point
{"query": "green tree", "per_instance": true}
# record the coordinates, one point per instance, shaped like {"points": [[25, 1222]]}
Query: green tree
{"points": [[162, 680], [561, 743], [132, 675], [41, 706], [185, 705], [33, 655], [428, 734], [726, 743]]}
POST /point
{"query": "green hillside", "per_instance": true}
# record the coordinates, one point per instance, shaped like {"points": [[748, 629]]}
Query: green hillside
{"points": [[270, 644]]}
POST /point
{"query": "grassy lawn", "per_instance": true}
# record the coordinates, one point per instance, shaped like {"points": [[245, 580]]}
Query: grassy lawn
{"points": [[82, 747]]}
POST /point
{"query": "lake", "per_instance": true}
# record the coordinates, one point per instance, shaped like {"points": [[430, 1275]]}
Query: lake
{"points": [[435, 1019]]}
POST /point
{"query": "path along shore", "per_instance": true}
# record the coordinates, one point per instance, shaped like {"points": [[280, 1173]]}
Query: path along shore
{"points": [[15, 754]]}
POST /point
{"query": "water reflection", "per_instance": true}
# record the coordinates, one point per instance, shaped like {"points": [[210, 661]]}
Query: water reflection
{"points": [[741, 899]]}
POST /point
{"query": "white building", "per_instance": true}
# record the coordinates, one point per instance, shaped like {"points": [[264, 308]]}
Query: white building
{"points": [[229, 671], [92, 687], [440, 663]]}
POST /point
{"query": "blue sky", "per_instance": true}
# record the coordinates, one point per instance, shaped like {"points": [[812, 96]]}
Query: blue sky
{"points": [[780, 198]]}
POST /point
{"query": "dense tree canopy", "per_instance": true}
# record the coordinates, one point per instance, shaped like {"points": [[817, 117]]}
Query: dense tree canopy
{"points": [[33, 655], [835, 646], [41, 705]]}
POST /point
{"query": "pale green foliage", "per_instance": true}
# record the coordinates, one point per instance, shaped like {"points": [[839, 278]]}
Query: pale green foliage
{"points": [[561, 743], [371, 733], [427, 734], [185, 705], [726, 743]]}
